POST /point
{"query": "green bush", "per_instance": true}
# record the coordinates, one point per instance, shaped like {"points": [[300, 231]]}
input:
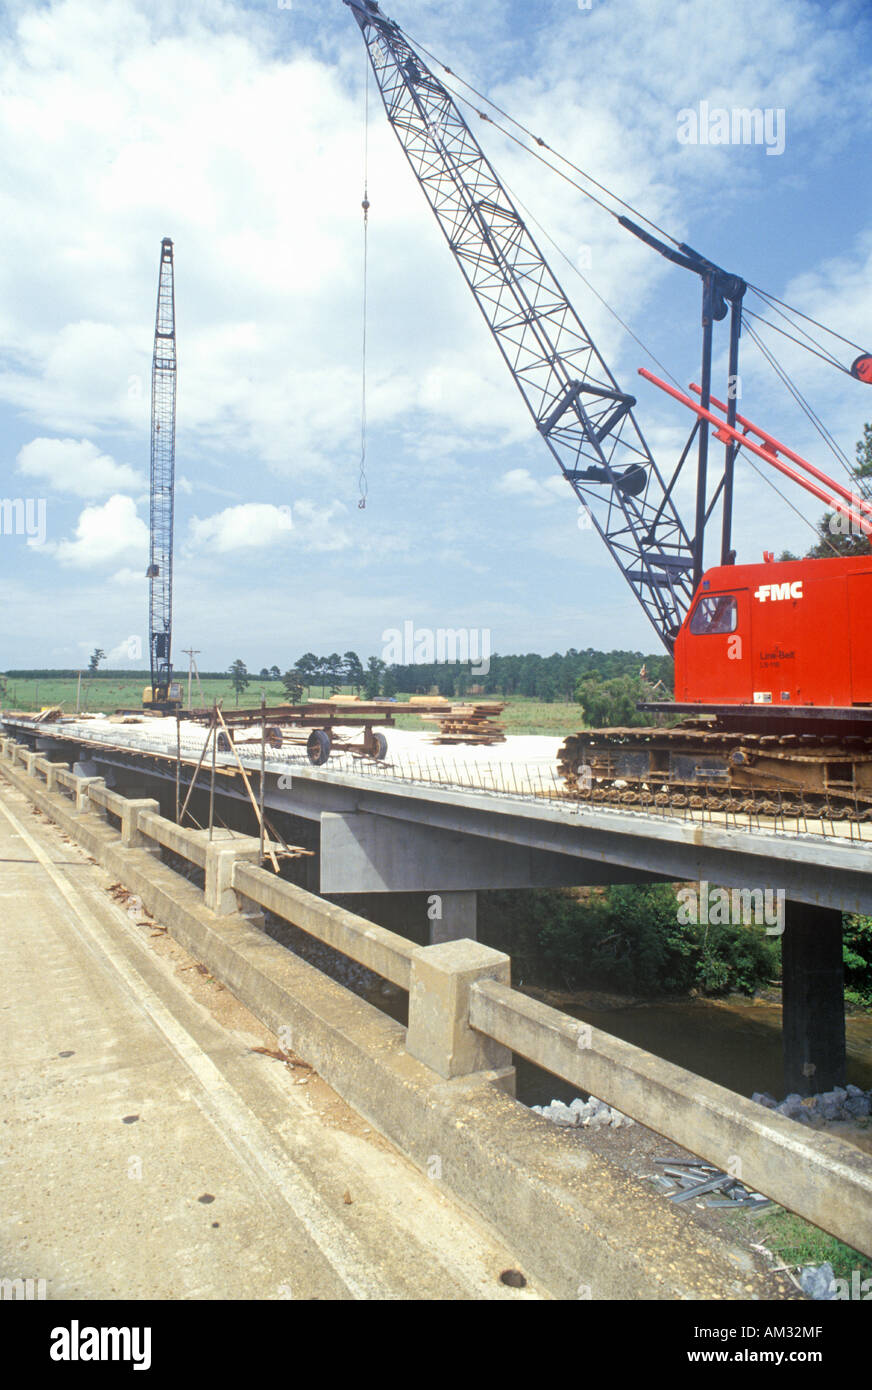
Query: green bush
{"points": [[611, 704], [626, 938], [735, 959], [857, 958]]}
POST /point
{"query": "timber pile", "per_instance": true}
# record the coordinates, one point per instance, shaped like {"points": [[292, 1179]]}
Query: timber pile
{"points": [[475, 723]]}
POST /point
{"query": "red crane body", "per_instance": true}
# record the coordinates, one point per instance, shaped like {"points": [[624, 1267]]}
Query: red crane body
{"points": [[796, 633]]}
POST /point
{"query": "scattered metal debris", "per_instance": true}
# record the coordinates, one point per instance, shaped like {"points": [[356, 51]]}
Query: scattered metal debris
{"points": [[697, 1179]]}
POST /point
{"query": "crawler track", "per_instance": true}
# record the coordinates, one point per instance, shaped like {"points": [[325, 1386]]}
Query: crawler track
{"points": [[700, 766]]}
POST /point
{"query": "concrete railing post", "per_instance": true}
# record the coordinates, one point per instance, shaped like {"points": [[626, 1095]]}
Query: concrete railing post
{"points": [[51, 774], [83, 801], [439, 1034], [221, 897], [30, 760], [131, 835]]}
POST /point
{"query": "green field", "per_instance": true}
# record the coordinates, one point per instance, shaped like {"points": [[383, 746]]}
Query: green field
{"points": [[520, 716], [105, 695]]}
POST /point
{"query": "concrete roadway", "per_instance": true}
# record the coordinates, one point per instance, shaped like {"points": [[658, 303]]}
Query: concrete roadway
{"points": [[148, 1152]]}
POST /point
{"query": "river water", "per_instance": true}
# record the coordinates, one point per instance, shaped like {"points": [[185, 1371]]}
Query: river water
{"points": [[736, 1043]]}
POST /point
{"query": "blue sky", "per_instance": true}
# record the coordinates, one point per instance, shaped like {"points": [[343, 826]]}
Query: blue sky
{"points": [[238, 131]]}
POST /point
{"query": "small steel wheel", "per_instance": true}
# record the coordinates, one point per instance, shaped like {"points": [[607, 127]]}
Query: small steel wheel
{"points": [[318, 747], [379, 747]]}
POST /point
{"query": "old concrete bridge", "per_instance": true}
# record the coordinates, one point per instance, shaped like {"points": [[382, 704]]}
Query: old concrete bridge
{"points": [[444, 1084]]}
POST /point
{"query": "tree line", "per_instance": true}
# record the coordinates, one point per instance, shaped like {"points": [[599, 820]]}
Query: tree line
{"points": [[601, 679]]}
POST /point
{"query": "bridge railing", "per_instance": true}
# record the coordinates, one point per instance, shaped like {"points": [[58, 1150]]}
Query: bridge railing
{"points": [[465, 1018]]}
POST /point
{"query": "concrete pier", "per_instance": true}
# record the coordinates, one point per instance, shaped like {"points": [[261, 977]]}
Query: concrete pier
{"points": [[813, 1019]]}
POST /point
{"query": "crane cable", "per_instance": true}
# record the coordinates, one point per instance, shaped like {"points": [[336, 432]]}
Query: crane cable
{"points": [[595, 292], [817, 351], [362, 478], [543, 144], [804, 405], [772, 300]]}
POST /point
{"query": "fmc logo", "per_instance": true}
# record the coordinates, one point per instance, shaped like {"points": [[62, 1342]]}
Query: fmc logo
{"points": [[779, 591]]}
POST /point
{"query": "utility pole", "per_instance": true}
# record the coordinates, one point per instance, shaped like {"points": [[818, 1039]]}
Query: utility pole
{"points": [[190, 653]]}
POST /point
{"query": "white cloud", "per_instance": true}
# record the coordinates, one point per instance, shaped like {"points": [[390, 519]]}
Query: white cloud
{"points": [[104, 535], [254, 525], [75, 466], [261, 525], [128, 579], [519, 482]]}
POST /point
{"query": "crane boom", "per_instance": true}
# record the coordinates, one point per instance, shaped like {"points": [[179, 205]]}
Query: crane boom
{"points": [[163, 449], [583, 416]]}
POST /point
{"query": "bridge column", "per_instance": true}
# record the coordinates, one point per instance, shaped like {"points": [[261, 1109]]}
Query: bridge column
{"points": [[813, 1002], [453, 916], [86, 767]]}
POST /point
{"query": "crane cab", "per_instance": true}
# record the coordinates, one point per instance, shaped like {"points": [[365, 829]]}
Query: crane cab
{"points": [[793, 633]]}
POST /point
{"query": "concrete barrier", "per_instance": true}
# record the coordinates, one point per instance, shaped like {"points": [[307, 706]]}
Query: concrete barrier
{"points": [[99, 795], [439, 1032], [188, 844], [382, 951], [222, 857], [83, 787], [131, 835]]}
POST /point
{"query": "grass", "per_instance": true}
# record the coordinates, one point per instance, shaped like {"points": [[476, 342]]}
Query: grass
{"points": [[797, 1243], [521, 715], [106, 695]]}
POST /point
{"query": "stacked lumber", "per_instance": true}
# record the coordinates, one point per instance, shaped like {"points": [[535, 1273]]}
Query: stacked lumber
{"points": [[472, 723]]}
